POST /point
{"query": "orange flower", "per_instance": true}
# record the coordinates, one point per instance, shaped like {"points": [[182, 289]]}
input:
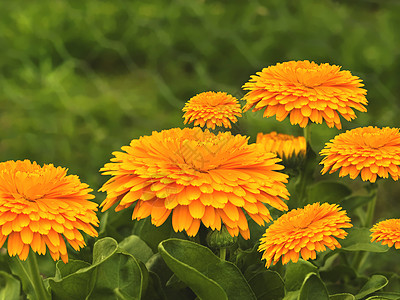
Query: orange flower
{"points": [[307, 91], [304, 231], [284, 145], [40, 206], [387, 231], [370, 151], [210, 108], [199, 177]]}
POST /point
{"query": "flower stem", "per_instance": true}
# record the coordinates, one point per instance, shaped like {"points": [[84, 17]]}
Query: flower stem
{"points": [[307, 134], [371, 208], [361, 256], [36, 278], [222, 253]]}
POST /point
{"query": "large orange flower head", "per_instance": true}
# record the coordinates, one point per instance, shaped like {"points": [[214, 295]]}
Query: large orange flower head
{"points": [[211, 108], [307, 92], [370, 151], [289, 148], [387, 232], [304, 231], [42, 206], [198, 177]]}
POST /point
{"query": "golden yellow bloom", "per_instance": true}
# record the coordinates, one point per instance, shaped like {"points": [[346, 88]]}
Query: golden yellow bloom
{"points": [[387, 232], [211, 108], [307, 91], [370, 151], [284, 145], [304, 231], [199, 177], [42, 206]]}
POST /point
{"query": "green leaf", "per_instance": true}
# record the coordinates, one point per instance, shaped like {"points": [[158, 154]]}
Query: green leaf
{"points": [[266, 284], [359, 239], [10, 287], [296, 273], [151, 234], [154, 289], [72, 280], [292, 295], [342, 296], [207, 275], [385, 296], [114, 274], [353, 202], [157, 265], [375, 283], [135, 246], [313, 288], [327, 191], [119, 277]]}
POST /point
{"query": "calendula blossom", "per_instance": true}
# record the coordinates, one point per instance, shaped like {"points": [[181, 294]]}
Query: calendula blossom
{"points": [[284, 145], [43, 207], [303, 232], [197, 176], [370, 151], [306, 91], [212, 109], [387, 232]]}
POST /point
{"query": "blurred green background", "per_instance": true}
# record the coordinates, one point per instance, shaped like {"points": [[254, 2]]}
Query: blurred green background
{"points": [[80, 79]]}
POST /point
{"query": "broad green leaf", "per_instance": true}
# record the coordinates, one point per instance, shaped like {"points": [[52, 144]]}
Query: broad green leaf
{"points": [[10, 287], [104, 249], [151, 234], [327, 191], [72, 280], [135, 246], [352, 202], [119, 277], [296, 273], [157, 265], [292, 295], [154, 289], [344, 272], [342, 296], [385, 296], [375, 283], [313, 288], [207, 275], [266, 284], [359, 239], [114, 274]]}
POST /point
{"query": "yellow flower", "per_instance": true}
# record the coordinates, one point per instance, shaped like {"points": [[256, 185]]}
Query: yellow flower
{"points": [[304, 231], [307, 92], [211, 108], [42, 206], [284, 145], [370, 151], [198, 177], [387, 232]]}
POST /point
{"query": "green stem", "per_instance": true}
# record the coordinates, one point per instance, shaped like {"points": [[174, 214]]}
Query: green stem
{"points": [[222, 253], [371, 209], [307, 134], [36, 278], [361, 256]]}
